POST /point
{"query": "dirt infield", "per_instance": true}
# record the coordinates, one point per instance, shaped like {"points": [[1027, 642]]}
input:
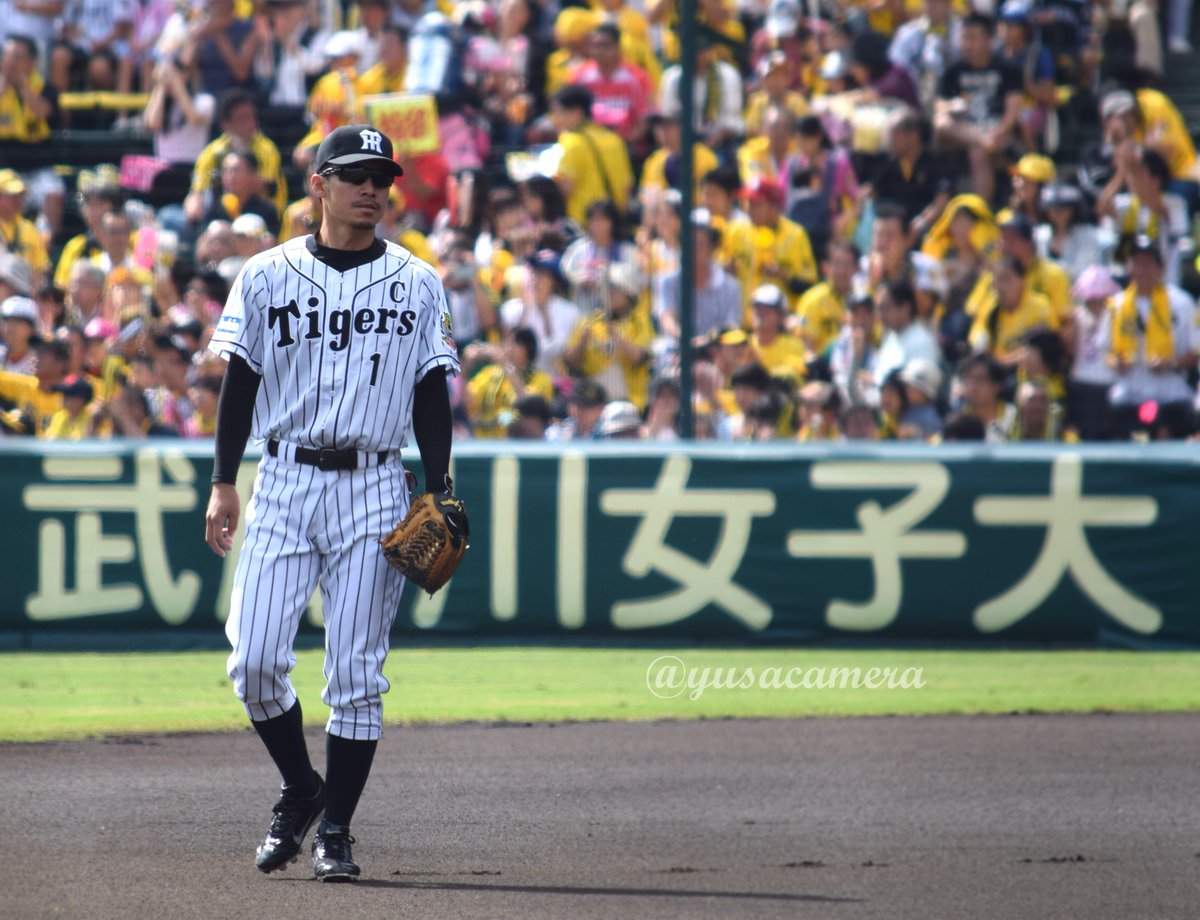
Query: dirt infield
{"points": [[1021, 816]]}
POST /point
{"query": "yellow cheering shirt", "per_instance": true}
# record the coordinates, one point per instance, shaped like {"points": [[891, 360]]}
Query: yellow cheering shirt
{"points": [[491, 396], [1001, 335], [379, 80], [21, 238], [22, 391], [17, 123], [775, 255], [63, 426], [1127, 332], [1160, 116], [208, 165], [786, 356], [332, 103], [1052, 282], [654, 170], [821, 312], [599, 356], [591, 154], [758, 103]]}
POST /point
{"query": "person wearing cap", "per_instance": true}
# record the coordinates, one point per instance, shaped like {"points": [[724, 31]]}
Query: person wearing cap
{"points": [[18, 235], [612, 345], [595, 160], [717, 302], [584, 406], [1066, 237], [622, 93], [572, 29], [1149, 119], [769, 247], [661, 170], [774, 348], [34, 397], [76, 419], [24, 104], [1135, 202], [493, 390], [169, 402], [1031, 174], [979, 103], [238, 118], [1152, 346], [20, 326], [1012, 310], [1035, 63], [774, 89], [922, 380], [619, 420]]}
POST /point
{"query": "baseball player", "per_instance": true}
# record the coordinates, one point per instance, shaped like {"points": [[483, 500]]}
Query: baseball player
{"points": [[336, 343]]}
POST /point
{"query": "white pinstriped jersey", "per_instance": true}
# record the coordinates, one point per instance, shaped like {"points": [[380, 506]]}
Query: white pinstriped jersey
{"points": [[339, 353]]}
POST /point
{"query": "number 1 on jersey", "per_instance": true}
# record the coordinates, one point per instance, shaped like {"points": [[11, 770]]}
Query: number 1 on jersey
{"points": [[374, 368]]}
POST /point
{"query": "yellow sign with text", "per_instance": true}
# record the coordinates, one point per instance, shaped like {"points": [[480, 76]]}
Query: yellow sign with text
{"points": [[409, 119]]}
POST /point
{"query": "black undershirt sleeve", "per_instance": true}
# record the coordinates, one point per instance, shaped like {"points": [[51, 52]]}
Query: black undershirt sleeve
{"points": [[433, 426], [235, 415]]}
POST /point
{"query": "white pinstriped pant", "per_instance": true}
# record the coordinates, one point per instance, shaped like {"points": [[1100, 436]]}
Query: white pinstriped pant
{"points": [[305, 525]]}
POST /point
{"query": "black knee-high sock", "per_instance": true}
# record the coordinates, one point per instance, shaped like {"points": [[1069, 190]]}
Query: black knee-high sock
{"points": [[347, 765], [284, 738]]}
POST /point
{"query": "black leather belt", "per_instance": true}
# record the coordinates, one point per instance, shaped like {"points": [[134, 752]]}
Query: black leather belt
{"points": [[328, 458]]}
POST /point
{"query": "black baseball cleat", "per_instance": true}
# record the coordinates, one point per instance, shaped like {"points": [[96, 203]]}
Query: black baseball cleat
{"points": [[332, 861], [293, 818]]}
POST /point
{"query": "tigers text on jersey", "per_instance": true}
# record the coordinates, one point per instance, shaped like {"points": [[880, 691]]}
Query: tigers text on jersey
{"points": [[339, 353]]}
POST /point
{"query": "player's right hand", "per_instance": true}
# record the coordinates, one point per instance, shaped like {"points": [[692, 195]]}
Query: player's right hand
{"points": [[221, 519]]}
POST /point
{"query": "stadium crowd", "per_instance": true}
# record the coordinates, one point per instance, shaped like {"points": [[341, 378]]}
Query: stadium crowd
{"points": [[915, 219]]}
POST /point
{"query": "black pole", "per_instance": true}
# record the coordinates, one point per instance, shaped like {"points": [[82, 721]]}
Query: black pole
{"points": [[687, 132]]}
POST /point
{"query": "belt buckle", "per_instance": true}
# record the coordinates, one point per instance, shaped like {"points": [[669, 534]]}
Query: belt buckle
{"points": [[327, 460]]}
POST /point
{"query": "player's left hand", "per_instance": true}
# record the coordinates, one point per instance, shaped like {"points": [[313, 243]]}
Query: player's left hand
{"points": [[221, 519]]}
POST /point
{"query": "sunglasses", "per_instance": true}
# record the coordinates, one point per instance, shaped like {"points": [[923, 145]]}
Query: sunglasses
{"points": [[354, 176]]}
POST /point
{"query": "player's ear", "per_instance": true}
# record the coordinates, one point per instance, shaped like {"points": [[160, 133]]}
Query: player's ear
{"points": [[317, 184]]}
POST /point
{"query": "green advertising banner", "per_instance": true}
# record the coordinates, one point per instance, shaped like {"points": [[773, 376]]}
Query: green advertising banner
{"points": [[778, 543]]}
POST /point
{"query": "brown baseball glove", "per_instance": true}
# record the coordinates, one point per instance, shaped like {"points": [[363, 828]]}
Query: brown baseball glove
{"points": [[427, 546]]}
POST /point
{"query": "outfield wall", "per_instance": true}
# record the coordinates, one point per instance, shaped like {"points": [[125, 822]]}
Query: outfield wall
{"points": [[773, 543]]}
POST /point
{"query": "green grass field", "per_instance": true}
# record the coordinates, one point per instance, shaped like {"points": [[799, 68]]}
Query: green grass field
{"points": [[64, 696]]}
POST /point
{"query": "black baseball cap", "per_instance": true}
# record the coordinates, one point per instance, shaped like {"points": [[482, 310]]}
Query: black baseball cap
{"points": [[357, 145]]}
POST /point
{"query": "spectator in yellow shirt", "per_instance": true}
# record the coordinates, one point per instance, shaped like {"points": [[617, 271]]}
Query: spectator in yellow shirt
{"points": [[775, 74], [769, 247], [661, 169], [18, 235], [612, 346], [334, 100], [74, 421], [97, 197], [492, 392], [999, 328], [767, 155], [595, 161], [238, 118], [29, 401], [388, 75], [780, 352], [1041, 275], [24, 107], [821, 311]]}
